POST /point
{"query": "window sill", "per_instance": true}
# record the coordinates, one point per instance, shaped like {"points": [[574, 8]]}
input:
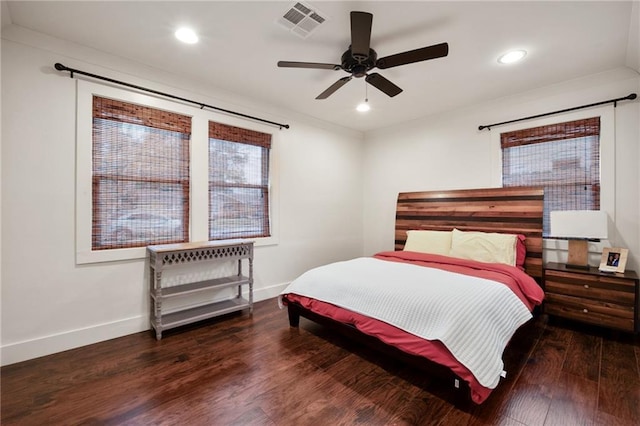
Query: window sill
{"points": [[115, 255]]}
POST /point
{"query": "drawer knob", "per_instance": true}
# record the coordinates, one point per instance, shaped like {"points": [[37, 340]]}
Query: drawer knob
{"points": [[586, 311], [586, 286]]}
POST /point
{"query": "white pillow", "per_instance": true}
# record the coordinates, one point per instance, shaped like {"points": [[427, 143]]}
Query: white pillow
{"points": [[433, 242], [484, 247]]}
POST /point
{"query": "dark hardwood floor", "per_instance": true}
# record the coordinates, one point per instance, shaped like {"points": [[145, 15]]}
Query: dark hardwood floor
{"points": [[255, 370]]}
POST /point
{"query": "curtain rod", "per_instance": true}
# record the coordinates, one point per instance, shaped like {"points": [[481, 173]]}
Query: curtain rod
{"points": [[61, 67], [614, 101]]}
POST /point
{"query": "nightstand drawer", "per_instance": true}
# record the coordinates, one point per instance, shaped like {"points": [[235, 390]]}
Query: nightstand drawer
{"points": [[608, 289], [592, 311], [588, 295]]}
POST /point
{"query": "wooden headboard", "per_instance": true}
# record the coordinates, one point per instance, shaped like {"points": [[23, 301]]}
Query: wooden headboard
{"points": [[505, 210]]}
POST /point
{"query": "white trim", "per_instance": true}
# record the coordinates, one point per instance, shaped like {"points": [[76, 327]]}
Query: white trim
{"points": [[46, 345], [199, 184], [199, 209], [270, 292]]}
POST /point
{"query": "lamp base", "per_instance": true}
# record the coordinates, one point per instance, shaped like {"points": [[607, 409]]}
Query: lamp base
{"points": [[578, 257]]}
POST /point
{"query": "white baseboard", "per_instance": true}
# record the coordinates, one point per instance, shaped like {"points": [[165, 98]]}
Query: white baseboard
{"points": [[269, 292], [47, 345]]}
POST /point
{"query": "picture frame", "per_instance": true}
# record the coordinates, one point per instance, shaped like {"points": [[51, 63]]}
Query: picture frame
{"points": [[614, 259]]}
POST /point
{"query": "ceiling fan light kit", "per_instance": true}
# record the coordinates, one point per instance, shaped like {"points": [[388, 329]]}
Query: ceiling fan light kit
{"points": [[364, 106], [360, 58]]}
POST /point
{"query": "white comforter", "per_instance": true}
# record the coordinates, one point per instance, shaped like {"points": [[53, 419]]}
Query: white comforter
{"points": [[473, 317]]}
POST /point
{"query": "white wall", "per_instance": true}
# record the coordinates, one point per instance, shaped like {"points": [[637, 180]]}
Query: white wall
{"points": [[447, 151], [49, 303]]}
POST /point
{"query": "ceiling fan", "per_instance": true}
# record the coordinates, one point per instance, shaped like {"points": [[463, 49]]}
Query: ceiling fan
{"points": [[360, 58]]}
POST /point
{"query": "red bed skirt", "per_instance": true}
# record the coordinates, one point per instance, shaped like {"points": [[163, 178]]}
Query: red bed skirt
{"points": [[432, 350]]}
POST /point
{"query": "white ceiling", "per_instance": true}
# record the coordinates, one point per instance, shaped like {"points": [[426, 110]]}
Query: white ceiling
{"points": [[241, 42]]}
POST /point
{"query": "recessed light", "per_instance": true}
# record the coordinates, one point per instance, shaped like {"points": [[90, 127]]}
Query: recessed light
{"points": [[186, 35], [512, 56]]}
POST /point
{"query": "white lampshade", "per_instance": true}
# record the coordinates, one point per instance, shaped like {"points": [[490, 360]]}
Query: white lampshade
{"points": [[579, 224]]}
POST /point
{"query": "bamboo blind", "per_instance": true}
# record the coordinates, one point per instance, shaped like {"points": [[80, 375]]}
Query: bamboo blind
{"points": [[140, 175], [562, 158], [238, 182]]}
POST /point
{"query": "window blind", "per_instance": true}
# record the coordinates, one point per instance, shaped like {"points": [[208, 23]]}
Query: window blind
{"points": [[140, 175], [563, 158], [238, 182]]}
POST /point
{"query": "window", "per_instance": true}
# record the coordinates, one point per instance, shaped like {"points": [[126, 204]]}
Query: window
{"points": [[238, 182], [563, 158], [140, 175], [143, 175]]}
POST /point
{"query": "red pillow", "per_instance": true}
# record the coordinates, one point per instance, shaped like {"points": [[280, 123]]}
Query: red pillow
{"points": [[521, 251]]}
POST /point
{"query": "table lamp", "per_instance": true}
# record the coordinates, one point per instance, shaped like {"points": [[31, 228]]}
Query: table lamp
{"points": [[579, 226]]}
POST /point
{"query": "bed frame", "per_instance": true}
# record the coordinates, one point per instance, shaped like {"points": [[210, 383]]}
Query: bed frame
{"points": [[504, 210]]}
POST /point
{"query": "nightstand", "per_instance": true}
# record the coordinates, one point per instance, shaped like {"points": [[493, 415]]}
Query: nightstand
{"points": [[591, 296]]}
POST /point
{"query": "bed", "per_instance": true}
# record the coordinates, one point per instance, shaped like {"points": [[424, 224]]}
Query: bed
{"points": [[464, 276]]}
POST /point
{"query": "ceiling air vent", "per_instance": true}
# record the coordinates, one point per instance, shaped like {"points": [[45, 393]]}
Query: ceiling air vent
{"points": [[301, 19]]}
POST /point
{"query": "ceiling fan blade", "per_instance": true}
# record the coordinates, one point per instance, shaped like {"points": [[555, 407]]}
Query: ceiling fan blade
{"points": [[381, 83], [335, 86], [411, 56], [360, 34], [314, 65]]}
